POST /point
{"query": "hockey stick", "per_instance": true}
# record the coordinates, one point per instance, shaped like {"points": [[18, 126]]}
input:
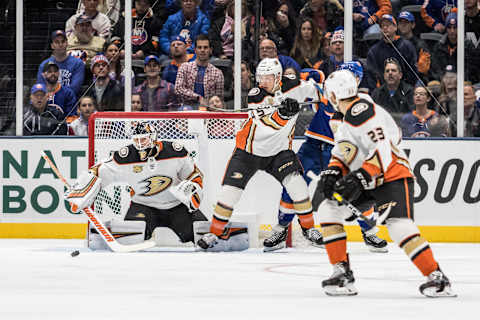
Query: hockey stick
{"points": [[306, 103], [98, 224], [342, 201]]}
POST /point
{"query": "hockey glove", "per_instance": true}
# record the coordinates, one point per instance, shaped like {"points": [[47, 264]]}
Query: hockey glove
{"points": [[327, 181], [353, 184], [189, 193], [289, 108]]}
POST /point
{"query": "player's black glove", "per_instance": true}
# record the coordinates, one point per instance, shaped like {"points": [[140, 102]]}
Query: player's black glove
{"points": [[289, 108], [353, 184], [327, 181]]}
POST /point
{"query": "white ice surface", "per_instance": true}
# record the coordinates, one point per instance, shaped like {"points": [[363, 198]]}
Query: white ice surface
{"points": [[40, 280]]}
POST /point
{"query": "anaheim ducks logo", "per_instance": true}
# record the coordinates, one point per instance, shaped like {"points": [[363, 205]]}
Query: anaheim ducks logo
{"points": [[348, 150], [156, 185]]}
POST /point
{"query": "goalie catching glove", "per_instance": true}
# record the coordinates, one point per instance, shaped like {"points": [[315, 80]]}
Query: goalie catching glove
{"points": [[83, 191], [189, 193]]}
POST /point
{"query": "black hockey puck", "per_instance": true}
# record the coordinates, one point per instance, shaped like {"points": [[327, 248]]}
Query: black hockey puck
{"points": [[75, 253]]}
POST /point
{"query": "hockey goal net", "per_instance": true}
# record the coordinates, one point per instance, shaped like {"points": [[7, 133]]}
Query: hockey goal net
{"points": [[210, 139]]}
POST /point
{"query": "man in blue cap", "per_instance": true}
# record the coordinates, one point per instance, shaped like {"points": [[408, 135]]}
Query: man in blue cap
{"points": [[39, 118], [445, 51], [156, 94], [406, 24]]}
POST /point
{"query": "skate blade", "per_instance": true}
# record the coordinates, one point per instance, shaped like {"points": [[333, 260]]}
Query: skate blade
{"points": [[377, 250], [446, 293], [279, 246], [348, 290]]}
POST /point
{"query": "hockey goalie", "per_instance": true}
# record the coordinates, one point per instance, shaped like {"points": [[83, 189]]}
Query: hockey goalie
{"points": [[166, 190]]}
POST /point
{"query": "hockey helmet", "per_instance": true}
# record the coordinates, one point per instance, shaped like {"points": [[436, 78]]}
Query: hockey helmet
{"points": [[143, 135], [355, 67], [270, 66], [340, 85]]}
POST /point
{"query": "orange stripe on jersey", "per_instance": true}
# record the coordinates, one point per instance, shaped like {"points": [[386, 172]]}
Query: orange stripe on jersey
{"points": [[398, 169], [407, 199], [335, 162], [243, 134], [318, 136], [374, 165], [278, 119]]}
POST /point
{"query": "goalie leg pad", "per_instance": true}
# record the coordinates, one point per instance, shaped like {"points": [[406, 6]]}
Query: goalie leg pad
{"points": [[125, 232], [234, 239]]}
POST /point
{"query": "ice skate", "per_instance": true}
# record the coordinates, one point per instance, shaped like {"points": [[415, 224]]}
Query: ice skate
{"points": [[341, 281], [314, 237], [374, 243], [277, 239], [208, 240], [437, 286]]}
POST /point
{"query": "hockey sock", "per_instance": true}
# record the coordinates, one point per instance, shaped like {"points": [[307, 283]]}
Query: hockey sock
{"points": [[418, 250], [303, 209], [220, 218], [335, 240]]}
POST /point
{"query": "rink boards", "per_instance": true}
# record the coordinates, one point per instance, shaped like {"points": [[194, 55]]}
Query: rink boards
{"points": [[447, 191]]}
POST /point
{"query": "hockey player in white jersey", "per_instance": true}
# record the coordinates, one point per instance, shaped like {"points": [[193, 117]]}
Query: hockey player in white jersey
{"points": [[265, 143], [367, 164], [166, 185]]}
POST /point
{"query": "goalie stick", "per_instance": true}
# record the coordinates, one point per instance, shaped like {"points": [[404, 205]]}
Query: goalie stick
{"points": [[99, 225]]}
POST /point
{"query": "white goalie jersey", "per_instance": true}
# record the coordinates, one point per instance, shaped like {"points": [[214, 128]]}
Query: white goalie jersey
{"points": [[369, 138], [268, 132], [153, 178]]}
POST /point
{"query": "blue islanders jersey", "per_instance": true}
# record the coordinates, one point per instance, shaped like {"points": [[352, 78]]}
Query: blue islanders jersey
{"points": [[319, 128]]}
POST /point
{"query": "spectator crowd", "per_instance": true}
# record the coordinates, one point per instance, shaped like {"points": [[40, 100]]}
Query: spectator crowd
{"points": [[183, 58]]}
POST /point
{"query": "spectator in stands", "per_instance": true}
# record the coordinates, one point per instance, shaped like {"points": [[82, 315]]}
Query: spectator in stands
{"points": [[433, 13], [471, 107], [82, 43], [448, 97], [137, 102], [221, 33], [112, 52], [179, 55], [189, 22], [367, 13], [333, 62], [395, 95], [207, 6], [199, 80], [307, 49], [281, 26], [406, 24], [59, 95], [100, 22], [391, 46], [111, 8], [215, 103], [416, 123], [108, 93], [247, 82], [145, 29], [326, 14], [41, 119], [156, 94], [86, 107], [268, 49], [72, 70], [445, 51], [472, 21]]}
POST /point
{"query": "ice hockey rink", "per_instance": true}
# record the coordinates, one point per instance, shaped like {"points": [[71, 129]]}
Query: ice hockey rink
{"points": [[41, 280]]}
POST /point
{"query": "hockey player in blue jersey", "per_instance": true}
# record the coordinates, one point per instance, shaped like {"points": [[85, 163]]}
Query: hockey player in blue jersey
{"points": [[314, 154]]}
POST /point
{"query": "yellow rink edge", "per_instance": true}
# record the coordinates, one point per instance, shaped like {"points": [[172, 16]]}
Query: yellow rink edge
{"points": [[78, 231]]}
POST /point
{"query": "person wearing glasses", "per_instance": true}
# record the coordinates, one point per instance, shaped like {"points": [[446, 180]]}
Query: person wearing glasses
{"points": [[268, 49], [395, 95]]}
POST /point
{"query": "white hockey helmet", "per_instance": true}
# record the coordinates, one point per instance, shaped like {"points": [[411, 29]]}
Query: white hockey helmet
{"points": [[340, 85], [270, 66], [143, 135]]}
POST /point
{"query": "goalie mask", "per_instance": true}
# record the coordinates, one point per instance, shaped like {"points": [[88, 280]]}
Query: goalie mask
{"points": [[269, 70], [341, 84], [143, 136]]}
